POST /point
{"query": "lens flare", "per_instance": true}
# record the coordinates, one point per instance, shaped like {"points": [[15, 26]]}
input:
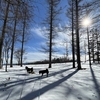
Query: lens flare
{"points": [[86, 22]]}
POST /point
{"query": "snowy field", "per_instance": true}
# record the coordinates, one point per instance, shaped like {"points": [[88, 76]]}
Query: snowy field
{"points": [[62, 83]]}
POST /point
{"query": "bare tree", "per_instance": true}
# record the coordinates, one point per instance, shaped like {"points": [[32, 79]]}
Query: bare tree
{"points": [[14, 15], [27, 16], [14, 30], [7, 47], [17, 55], [71, 15], [77, 34], [3, 30], [22, 17], [51, 23]]}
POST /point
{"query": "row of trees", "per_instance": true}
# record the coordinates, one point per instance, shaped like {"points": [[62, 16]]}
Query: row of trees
{"points": [[54, 60], [95, 45], [80, 9], [15, 16], [77, 11]]}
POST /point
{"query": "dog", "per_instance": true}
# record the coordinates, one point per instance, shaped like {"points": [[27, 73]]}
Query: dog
{"points": [[44, 71], [29, 70]]}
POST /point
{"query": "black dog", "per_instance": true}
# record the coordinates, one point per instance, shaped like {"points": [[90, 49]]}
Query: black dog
{"points": [[44, 71], [29, 70]]}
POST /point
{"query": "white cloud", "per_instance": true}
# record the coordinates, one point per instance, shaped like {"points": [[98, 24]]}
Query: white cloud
{"points": [[31, 57], [30, 48], [39, 31], [62, 40], [59, 40], [35, 56]]}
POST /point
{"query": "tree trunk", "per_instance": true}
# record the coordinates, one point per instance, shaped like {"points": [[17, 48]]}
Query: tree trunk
{"points": [[3, 32], [23, 42], [13, 38], [73, 50], [89, 47], [50, 50], [12, 47], [78, 39]]}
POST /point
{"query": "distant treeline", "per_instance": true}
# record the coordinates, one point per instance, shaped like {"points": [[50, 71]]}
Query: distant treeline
{"points": [[55, 60]]}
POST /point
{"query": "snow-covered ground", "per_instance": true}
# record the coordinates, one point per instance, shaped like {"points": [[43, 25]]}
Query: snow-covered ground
{"points": [[63, 83]]}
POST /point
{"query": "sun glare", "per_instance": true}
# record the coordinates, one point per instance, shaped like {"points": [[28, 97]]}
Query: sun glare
{"points": [[86, 22]]}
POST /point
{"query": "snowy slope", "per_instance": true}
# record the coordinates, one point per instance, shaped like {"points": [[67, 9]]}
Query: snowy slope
{"points": [[63, 83]]}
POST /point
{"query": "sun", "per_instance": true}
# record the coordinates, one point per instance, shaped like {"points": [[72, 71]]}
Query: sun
{"points": [[86, 22]]}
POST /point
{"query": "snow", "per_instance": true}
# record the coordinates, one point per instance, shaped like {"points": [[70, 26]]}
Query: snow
{"points": [[63, 83]]}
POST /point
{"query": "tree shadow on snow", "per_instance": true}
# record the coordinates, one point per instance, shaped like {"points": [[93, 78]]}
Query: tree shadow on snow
{"points": [[42, 90], [97, 87], [19, 81], [58, 72]]}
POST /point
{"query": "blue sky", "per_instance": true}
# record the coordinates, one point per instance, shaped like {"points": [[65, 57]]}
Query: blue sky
{"points": [[36, 40], [33, 46]]}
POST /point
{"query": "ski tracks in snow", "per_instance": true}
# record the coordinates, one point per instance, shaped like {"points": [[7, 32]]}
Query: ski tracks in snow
{"points": [[22, 86], [14, 88]]}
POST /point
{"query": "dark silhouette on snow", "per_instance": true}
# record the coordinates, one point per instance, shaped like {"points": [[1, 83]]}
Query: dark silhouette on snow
{"points": [[44, 71], [29, 70]]}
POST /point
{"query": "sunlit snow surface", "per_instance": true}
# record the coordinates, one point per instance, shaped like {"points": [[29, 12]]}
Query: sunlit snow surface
{"points": [[63, 83]]}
